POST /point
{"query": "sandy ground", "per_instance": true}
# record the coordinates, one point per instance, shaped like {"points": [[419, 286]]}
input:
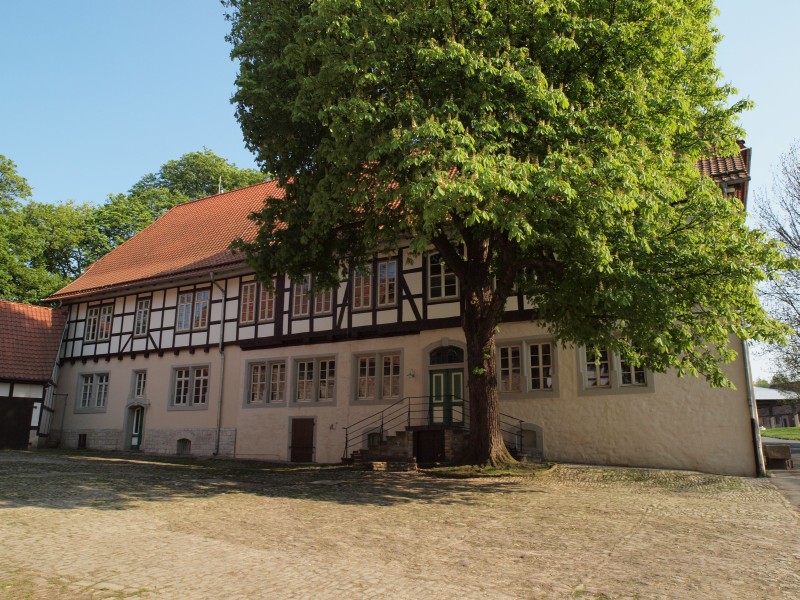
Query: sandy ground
{"points": [[121, 526]]}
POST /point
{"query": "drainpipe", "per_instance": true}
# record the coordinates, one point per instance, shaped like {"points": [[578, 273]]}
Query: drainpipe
{"points": [[222, 362], [751, 404]]}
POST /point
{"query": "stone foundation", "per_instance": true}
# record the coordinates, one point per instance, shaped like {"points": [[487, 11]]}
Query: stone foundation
{"points": [[202, 442], [96, 439]]}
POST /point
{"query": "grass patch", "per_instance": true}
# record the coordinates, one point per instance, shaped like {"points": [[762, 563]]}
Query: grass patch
{"points": [[472, 471], [782, 433]]}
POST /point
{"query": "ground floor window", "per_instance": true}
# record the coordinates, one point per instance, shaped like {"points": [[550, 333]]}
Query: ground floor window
{"points": [[267, 382], [315, 380], [378, 376], [602, 369], [190, 387], [93, 392], [525, 366]]}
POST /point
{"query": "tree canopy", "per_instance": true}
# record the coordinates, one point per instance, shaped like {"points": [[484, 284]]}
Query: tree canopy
{"points": [[548, 145]]}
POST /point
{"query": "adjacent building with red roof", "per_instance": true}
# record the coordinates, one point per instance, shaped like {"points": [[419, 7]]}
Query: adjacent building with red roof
{"points": [[172, 346], [30, 339]]}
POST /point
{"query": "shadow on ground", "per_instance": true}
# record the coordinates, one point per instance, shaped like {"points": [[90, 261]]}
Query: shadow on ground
{"points": [[116, 481]]}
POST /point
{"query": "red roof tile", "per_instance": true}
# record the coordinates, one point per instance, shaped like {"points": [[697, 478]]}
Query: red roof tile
{"points": [[29, 340], [190, 238]]}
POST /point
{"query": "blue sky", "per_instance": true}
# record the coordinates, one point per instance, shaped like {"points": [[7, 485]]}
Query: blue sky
{"points": [[96, 93]]}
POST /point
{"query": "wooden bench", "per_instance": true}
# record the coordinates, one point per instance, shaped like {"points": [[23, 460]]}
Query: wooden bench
{"points": [[778, 455]]}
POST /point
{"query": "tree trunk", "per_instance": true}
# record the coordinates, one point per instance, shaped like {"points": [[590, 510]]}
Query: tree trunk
{"points": [[486, 445]]}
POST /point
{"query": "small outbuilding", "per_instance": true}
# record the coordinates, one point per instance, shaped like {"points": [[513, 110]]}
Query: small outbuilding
{"points": [[30, 339]]}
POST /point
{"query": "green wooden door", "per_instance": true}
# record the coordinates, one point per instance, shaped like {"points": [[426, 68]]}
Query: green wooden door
{"points": [[446, 396], [137, 422]]}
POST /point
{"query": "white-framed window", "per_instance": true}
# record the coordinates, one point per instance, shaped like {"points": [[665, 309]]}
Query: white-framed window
{"points": [[632, 375], [142, 320], [525, 366], [266, 306], [90, 329], [192, 310], [598, 368], [92, 392], [139, 384], [247, 302], [183, 321], [442, 281], [201, 298], [323, 302], [267, 382], [606, 372], [387, 282], [301, 294], [362, 289], [510, 368], [190, 387], [540, 363], [315, 380], [378, 376], [104, 325]]}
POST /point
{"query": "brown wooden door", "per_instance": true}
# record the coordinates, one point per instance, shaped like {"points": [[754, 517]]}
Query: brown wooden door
{"points": [[301, 448], [15, 422]]}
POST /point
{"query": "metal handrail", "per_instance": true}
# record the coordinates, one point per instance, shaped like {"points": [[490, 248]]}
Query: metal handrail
{"points": [[408, 410]]}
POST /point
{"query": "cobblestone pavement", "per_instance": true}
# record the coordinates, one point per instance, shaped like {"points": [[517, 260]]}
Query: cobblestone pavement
{"points": [[129, 526]]}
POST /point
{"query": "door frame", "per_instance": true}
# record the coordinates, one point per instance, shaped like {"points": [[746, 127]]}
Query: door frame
{"points": [[451, 368], [130, 416]]}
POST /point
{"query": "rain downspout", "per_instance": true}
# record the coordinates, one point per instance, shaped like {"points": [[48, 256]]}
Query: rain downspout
{"points": [[222, 362], [754, 429]]}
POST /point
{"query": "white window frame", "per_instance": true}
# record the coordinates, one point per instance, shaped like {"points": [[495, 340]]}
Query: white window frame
{"points": [[362, 289], [509, 368], [142, 320], [266, 305], [439, 271], [323, 302], [271, 390], [192, 310], [247, 302], [105, 322], [616, 376], [315, 380], [92, 323], [139, 390], [387, 283], [372, 377], [93, 391], [545, 371], [191, 376], [301, 297]]}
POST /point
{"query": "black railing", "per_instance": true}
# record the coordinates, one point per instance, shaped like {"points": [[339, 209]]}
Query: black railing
{"points": [[422, 411]]}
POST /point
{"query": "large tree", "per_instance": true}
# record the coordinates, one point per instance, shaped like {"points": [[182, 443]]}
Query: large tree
{"points": [[779, 213], [549, 145]]}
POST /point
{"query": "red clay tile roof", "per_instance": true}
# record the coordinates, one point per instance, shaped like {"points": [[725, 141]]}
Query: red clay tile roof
{"points": [[190, 238], [730, 170], [29, 340]]}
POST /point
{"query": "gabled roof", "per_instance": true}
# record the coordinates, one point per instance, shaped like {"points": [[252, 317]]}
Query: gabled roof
{"points": [[188, 239], [29, 340]]}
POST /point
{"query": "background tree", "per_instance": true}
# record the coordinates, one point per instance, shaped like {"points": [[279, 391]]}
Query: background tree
{"points": [[43, 246], [779, 213], [548, 145]]}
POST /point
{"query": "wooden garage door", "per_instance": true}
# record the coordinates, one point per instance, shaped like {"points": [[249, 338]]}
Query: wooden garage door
{"points": [[15, 422]]}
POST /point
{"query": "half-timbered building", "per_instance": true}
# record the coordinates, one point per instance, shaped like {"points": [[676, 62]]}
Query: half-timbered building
{"points": [[172, 346]]}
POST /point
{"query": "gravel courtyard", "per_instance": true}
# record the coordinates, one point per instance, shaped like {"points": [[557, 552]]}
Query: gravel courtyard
{"points": [[130, 526]]}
